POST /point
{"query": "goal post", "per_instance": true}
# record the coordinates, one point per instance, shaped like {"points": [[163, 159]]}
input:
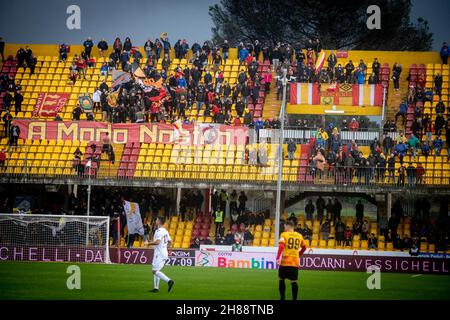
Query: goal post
{"points": [[57, 238]]}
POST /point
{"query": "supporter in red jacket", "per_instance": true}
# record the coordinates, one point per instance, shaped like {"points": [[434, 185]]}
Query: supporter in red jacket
{"points": [[267, 77], [353, 125]]}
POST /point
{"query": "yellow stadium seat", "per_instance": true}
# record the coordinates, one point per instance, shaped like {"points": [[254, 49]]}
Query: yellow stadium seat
{"points": [[185, 245], [431, 247], [314, 243], [364, 245], [256, 242], [423, 247], [331, 244], [177, 244]]}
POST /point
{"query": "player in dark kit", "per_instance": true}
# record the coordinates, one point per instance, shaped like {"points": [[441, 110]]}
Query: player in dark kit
{"points": [[291, 247]]}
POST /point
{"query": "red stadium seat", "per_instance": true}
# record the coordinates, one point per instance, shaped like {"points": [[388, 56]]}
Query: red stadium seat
{"points": [[195, 233], [204, 233]]}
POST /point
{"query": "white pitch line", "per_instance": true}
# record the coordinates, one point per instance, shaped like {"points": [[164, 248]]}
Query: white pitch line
{"points": [[416, 275]]}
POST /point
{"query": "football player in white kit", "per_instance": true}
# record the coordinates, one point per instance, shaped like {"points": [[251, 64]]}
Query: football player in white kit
{"points": [[161, 240]]}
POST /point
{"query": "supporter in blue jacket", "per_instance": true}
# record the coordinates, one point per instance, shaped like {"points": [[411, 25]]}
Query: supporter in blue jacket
{"points": [[437, 144], [182, 82], [243, 54], [361, 76], [425, 149], [400, 150], [402, 112]]}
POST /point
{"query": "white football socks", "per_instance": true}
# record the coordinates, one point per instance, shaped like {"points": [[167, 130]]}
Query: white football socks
{"points": [[155, 282], [162, 276]]}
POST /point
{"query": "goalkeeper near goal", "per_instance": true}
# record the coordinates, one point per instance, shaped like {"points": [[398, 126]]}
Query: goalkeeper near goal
{"points": [[288, 256], [161, 240]]}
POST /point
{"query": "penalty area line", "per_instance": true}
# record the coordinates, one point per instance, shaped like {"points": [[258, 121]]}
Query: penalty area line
{"points": [[416, 275]]}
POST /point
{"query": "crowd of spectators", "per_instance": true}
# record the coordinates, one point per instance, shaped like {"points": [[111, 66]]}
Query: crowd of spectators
{"points": [[422, 126], [201, 87], [423, 227]]}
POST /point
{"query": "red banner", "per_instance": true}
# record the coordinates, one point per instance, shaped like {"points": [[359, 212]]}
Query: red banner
{"points": [[192, 134], [49, 104]]}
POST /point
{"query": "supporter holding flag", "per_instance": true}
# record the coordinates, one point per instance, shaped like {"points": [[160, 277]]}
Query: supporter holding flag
{"points": [[134, 220]]}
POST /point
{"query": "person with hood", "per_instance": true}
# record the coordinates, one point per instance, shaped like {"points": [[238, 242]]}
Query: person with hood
{"points": [[353, 125]]}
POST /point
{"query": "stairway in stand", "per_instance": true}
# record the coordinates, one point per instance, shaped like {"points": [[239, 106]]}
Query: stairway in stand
{"points": [[304, 174], [395, 98], [272, 105], [107, 169]]}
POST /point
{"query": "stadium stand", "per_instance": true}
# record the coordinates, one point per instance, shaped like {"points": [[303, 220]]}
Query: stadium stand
{"points": [[252, 162]]}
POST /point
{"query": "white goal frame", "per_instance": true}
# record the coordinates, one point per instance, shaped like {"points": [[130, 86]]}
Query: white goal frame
{"points": [[53, 224]]}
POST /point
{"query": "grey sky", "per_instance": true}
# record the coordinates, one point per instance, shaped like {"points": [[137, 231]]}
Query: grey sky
{"points": [[45, 21]]}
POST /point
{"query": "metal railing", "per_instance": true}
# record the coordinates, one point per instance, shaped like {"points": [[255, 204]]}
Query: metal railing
{"points": [[302, 136], [244, 173]]}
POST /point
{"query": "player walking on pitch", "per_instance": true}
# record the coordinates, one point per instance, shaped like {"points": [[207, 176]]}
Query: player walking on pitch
{"points": [[161, 240], [288, 256]]}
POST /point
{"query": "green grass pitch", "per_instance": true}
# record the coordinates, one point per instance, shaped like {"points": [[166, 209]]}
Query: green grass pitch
{"points": [[28, 280]]}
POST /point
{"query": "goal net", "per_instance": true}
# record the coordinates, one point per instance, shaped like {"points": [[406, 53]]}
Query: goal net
{"points": [[57, 238]]}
